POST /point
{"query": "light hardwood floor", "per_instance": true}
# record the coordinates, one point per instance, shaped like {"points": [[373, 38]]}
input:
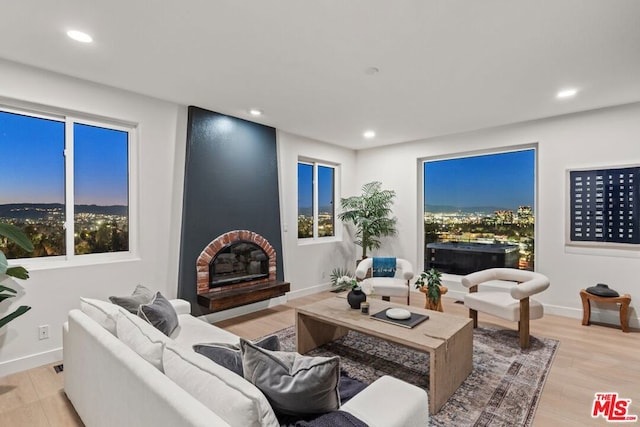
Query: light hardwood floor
{"points": [[598, 358]]}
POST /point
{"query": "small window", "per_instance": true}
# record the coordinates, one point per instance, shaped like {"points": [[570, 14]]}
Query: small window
{"points": [[65, 184], [316, 196]]}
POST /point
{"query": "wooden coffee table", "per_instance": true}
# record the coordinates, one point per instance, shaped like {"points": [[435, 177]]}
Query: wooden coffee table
{"points": [[448, 339]]}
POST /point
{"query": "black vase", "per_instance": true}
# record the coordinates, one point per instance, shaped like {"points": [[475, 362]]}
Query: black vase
{"points": [[355, 297]]}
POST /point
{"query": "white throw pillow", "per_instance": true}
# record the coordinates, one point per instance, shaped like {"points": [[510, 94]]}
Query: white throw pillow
{"points": [[102, 312], [141, 337], [230, 396]]}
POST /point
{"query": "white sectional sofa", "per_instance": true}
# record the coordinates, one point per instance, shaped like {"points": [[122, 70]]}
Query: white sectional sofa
{"points": [[121, 371]]}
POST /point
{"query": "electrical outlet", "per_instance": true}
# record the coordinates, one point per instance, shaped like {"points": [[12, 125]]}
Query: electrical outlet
{"points": [[324, 274], [43, 332]]}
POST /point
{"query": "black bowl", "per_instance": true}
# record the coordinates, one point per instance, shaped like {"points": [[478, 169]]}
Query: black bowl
{"points": [[602, 290]]}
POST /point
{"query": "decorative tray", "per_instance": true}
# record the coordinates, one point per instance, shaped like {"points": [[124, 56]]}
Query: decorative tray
{"points": [[412, 321]]}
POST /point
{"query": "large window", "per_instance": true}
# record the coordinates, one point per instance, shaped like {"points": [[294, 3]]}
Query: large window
{"points": [[316, 194], [479, 211], [65, 183]]}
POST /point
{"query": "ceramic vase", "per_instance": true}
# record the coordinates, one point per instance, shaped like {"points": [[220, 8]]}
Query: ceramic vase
{"points": [[355, 297]]}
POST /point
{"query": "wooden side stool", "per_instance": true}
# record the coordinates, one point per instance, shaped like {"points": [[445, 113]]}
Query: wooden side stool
{"points": [[623, 300]]}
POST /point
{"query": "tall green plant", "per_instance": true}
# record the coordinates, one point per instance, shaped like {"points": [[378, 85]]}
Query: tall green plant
{"points": [[370, 213], [16, 235]]}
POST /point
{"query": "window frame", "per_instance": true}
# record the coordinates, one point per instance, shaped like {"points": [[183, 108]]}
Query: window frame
{"points": [[315, 196], [459, 155], [69, 118]]}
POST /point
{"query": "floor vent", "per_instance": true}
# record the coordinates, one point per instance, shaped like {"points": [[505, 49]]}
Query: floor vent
{"points": [[58, 368]]}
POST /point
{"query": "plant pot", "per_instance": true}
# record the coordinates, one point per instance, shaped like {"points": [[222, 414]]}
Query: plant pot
{"points": [[355, 297], [437, 305]]}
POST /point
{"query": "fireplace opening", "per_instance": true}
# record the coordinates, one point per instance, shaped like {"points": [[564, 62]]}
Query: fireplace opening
{"points": [[239, 261]]}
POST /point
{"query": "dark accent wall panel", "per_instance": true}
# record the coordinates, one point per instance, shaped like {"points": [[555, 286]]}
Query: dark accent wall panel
{"points": [[231, 183]]}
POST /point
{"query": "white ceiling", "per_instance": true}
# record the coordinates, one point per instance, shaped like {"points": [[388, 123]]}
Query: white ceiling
{"points": [[446, 66]]}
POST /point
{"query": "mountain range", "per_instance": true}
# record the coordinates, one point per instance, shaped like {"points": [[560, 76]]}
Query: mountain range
{"points": [[489, 210], [41, 210]]}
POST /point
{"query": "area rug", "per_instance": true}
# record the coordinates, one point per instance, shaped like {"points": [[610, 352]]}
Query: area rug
{"points": [[503, 389]]}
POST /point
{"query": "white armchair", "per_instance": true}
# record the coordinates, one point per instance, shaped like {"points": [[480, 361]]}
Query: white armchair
{"points": [[514, 305], [397, 286]]}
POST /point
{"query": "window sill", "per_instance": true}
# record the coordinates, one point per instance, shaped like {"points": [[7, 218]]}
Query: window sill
{"points": [[318, 241], [50, 263]]}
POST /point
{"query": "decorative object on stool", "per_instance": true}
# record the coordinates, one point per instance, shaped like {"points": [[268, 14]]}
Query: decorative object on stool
{"points": [[433, 290], [623, 300], [355, 297], [602, 290]]}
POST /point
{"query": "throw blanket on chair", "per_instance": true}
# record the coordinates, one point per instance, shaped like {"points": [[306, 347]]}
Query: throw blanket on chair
{"points": [[384, 267]]}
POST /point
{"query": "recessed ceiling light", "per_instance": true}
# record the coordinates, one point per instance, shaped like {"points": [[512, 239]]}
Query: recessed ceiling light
{"points": [[369, 134], [566, 93], [79, 36], [255, 112]]}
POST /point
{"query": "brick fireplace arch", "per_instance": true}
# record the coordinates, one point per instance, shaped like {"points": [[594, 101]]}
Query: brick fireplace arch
{"points": [[221, 242]]}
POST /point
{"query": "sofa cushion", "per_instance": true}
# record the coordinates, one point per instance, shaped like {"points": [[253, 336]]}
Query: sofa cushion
{"points": [[141, 295], [294, 384], [102, 312], [141, 337], [160, 313], [230, 396], [192, 330], [229, 356]]}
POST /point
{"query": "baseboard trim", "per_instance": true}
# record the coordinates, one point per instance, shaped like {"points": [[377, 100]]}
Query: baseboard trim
{"points": [[29, 362]]}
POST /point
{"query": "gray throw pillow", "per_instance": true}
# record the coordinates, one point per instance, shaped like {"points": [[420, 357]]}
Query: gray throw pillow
{"points": [[293, 384], [141, 295], [229, 356], [160, 313]]}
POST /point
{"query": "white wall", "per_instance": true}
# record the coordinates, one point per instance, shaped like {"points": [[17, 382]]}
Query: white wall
{"points": [[592, 139], [307, 266], [52, 292]]}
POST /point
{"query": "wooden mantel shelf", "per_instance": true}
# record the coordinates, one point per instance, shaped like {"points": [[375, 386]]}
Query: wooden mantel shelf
{"points": [[229, 298]]}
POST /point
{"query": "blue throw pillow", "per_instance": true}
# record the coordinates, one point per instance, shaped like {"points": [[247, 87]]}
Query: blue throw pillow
{"points": [[384, 267]]}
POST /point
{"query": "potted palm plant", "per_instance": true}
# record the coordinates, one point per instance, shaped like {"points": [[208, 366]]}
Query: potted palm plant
{"points": [[432, 289], [14, 234], [370, 214]]}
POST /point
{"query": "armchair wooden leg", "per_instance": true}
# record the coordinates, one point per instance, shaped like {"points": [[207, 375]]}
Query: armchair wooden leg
{"points": [[523, 324], [473, 315], [408, 292]]}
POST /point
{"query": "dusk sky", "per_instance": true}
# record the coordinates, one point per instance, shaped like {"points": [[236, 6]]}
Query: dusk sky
{"points": [[305, 186], [480, 180], [33, 164]]}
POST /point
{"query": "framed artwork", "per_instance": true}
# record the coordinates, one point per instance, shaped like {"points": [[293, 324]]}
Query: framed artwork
{"points": [[603, 207]]}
